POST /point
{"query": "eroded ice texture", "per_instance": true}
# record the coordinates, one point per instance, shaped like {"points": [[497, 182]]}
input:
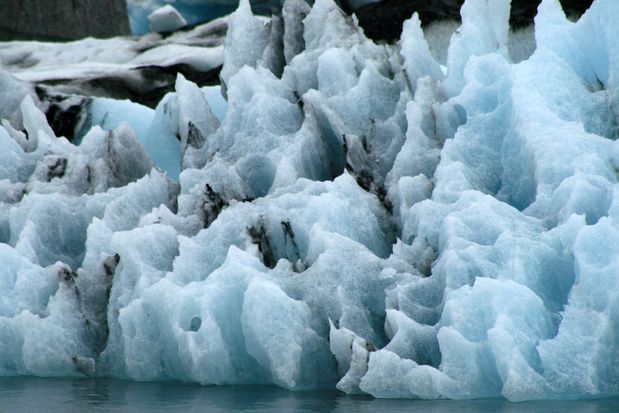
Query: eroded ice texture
{"points": [[353, 215]]}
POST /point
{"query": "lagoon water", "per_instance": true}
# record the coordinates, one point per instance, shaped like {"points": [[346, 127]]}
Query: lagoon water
{"points": [[28, 394]]}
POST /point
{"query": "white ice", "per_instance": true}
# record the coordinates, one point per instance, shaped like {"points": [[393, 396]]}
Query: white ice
{"points": [[166, 19]]}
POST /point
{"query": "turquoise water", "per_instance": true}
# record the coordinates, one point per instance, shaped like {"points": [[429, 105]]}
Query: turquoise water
{"points": [[96, 395]]}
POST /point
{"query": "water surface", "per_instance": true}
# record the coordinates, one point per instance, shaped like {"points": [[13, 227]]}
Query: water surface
{"points": [[27, 394]]}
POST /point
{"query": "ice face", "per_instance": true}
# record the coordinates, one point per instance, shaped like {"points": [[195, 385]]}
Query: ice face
{"points": [[364, 217]]}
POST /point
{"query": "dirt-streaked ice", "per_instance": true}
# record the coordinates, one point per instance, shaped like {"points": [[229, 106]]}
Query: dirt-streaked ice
{"points": [[353, 215]]}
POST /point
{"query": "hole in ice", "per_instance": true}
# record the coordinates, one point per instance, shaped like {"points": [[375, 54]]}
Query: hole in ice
{"points": [[258, 173], [195, 323], [461, 112]]}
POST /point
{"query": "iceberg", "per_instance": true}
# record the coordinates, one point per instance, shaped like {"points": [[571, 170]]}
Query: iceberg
{"points": [[338, 214], [192, 12], [166, 19]]}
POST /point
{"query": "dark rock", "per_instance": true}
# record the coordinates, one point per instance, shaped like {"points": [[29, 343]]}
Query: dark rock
{"points": [[146, 85], [360, 165], [523, 11], [383, 20], [213, 204], [195, 138], [66, 274], [57, 167], [66, 114], [290, 242], [258, 235], [63, 19], [109, 266]]}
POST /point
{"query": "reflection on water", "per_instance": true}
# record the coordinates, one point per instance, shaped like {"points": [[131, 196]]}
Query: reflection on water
{"points": [[97, 395]]}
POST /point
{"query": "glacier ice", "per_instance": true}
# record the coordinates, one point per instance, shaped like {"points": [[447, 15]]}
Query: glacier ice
{"points": [[193, 11], [166, 19], [369, 217], [140, 68]]}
